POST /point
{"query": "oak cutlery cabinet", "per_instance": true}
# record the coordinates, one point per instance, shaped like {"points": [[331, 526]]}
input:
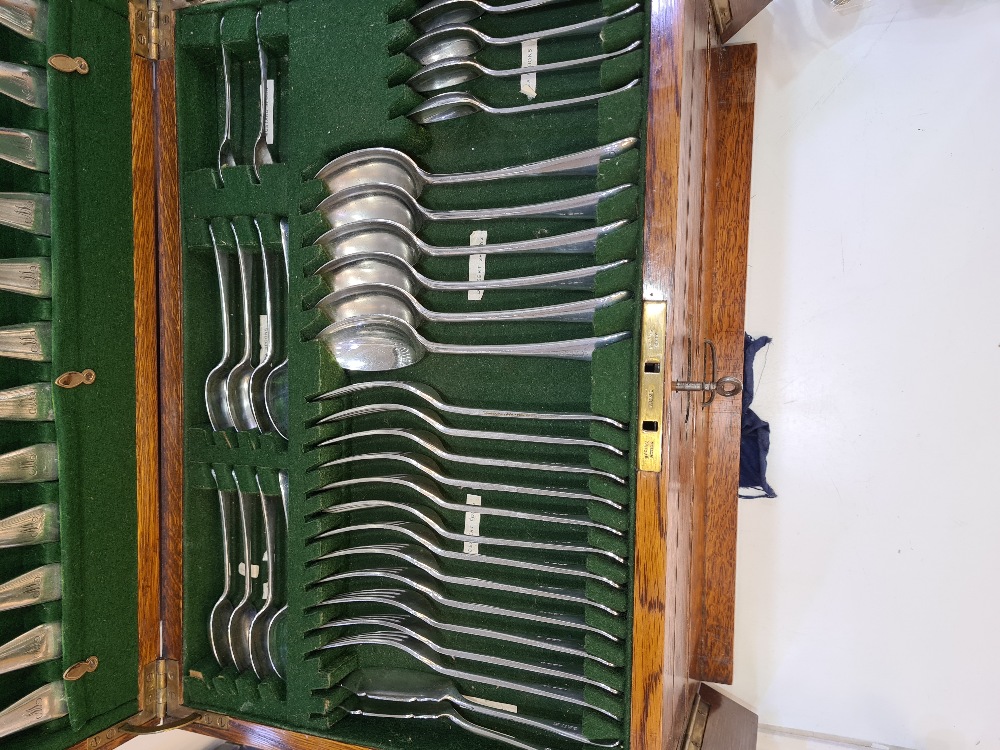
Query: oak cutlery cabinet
{"points": [[143, 206]]}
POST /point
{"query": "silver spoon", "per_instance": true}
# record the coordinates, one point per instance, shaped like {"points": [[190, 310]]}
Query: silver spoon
{"points": [[28, 276], [29, 18], [261, 659], [216, 393], [435, 524], [376, 201], [386, 710], [420, 558], [385, 268], [36, 463], [426, 489], [386, 299], [382, 235], [29, 212], [415, 605], [377, 343], [410, 686], [422, 634], [27, 403], [432, 470], [25, 84], [387, 166], [38, 645], [227, 157], [431, 397], [222, 610], [430, 659], [238, 380], [26, 148], [447, 73], [429, 419], [276, 648], [424, 538], [441, 12], [276, 384], [41, 706], [455, 104], [432, 445], [261, 153], [244, 611], [36, 525], [28, 341], [257, 383], [458, 40]]}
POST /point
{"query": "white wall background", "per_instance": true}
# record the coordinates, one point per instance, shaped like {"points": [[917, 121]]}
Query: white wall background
{"points": [[868, 600], [867, 592]]}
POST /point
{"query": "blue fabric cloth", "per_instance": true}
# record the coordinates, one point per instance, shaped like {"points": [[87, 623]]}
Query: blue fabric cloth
{"points": [[755, 440]]}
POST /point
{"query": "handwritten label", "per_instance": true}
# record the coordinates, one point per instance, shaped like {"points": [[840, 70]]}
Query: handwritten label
{"points": [[269, 113], [477, 264], [529, 59], [508, 707], [472, 524]]}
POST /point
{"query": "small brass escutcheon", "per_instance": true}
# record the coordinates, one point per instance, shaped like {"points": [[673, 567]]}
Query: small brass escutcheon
{"points": [[81, 668], [72, 378], [67, 64]]}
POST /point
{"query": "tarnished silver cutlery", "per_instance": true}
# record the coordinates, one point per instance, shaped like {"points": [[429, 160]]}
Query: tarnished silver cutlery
{"points": [[442, 12], [42, 706], [40, 644], [31, 277], [25, 84], [29, 18], [222, 610], [38, 586], [26, 148], [36, 525], [30, 341], [34, 463], [30, 212], [27, 403]]}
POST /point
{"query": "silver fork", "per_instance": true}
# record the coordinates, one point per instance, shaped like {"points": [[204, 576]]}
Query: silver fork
{"points": [[261, 153]]}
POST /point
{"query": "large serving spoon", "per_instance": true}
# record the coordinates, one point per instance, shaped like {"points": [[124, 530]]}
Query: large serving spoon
{"points": [[216, 394], [387, 299], [447, 73], [238, 380], [385, 268], [25, 84], [459, 40], [426, 489], [391, 202], [222, 610], [29, 276], [380, 342], [276, 385], [454, 104], [29, 18], [434, 399], [442, 12], [388, 166], [26, 148]]}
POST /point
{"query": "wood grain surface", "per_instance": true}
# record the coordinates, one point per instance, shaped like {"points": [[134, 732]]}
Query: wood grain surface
{"points": [[723, 311]]}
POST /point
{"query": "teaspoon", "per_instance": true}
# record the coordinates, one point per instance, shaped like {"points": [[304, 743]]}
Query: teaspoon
{"points": [[447, 73], [377, 343], [276, 384], [388, 166], [459, 40], [391, 202], [386, 299], [238, 380], [442, 12], [257, 383]]}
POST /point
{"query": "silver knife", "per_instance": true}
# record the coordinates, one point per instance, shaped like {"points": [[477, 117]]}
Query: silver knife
{"points": [[43, 705], [38, 645]]}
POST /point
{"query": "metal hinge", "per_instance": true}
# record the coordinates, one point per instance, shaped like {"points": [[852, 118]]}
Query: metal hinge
{"points": [[695, 735], [160, 699], [152, 24], [652, 380]]}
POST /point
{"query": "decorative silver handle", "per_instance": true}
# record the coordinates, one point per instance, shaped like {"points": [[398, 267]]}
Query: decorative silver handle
{"points": [[572, 30], [573, 349], [30, 212], [29, 276], [24, 83], [43, 705], [41, 585], [38, 645], [29, 18], [578, 207], [33, 526], [27, 403], [36, 463], [32, 341], [26, 148], [557, 104], [567, 312]]}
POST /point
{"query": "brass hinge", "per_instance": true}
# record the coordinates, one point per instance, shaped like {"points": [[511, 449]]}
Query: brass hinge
{"points": [[152, 24], [695, 735], [160, 700], [652, 381]]}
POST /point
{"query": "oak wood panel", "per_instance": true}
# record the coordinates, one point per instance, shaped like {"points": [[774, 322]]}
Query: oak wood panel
{"points": [[723, 300], [146, 356], [743, 12], [171, 365], [111, 744], [730, 726], [259, 736]]}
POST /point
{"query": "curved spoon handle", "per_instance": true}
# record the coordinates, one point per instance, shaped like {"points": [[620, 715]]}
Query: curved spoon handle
{"points": [[429, 16], [557, 104], [27, 403], [261, 152], [577, 207], [25, 84], [33, 526], [226, 156], [246, 266], [38, 645], [581, 163], [567, 312], [577, 278], [29, 18], [30, 341], [30, 212], [582, 349], [574, 243], [45, 704], [26, 148], [28, 276], [571, 30]]}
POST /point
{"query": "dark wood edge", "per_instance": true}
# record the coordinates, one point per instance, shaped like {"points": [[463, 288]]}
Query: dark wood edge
{"points": [[260, 736], [730, 726], [147, 417], [726, 234], [743, 11]]}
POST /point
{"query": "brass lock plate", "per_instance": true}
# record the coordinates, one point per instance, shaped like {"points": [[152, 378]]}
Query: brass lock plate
{"points": [[652, 382]]}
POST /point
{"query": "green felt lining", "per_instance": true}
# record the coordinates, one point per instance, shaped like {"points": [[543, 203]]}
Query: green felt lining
{"points": [[92, 316], [341, 75]]}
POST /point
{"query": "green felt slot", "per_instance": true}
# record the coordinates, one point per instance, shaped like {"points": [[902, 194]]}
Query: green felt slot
{"points": [[341, 72]]}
